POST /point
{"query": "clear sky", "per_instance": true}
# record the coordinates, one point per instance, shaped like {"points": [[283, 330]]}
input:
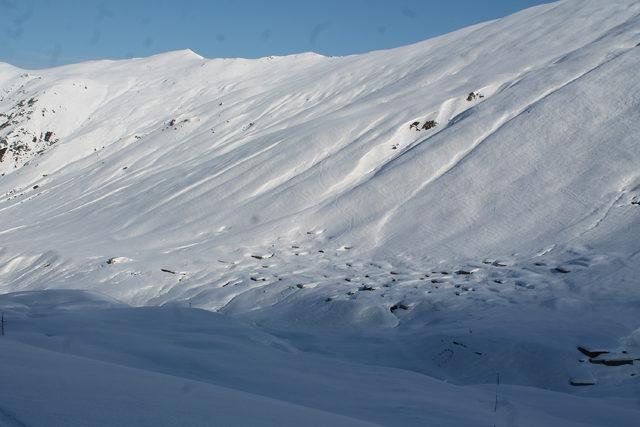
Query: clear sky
{"points": [[44, 33]]}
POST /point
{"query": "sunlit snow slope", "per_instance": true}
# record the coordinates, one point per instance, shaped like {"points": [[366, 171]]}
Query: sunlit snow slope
{"points": [[194, 165], [369, 226]]}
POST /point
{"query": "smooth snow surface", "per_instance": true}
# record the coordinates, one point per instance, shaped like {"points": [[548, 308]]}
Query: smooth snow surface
{"points": [[363, 270]]}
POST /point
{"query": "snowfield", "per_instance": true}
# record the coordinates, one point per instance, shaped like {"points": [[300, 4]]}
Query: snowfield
{"points": [[363, 240]]}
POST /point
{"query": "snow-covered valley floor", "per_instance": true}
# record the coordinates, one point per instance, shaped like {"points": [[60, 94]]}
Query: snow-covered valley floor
{"points": [[441, 234], [72, 358]]}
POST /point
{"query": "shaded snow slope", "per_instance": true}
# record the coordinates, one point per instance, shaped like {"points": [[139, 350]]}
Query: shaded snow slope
{"points": [[117, 365]]}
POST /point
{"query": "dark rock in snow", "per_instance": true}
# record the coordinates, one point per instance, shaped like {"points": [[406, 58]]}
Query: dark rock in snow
{"points": [[463, 272], [582, 382], [474, 95], [398, 306], [429, 124], [618, 361], [591, 353]]}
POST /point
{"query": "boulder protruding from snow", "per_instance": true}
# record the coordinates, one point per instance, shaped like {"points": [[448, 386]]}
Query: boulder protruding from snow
{"points": [[591, 353], [429, 124], [582, 382], [473, 96]]}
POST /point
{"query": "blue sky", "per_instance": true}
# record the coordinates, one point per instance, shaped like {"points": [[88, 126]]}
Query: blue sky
{"points": [[44, 33]]}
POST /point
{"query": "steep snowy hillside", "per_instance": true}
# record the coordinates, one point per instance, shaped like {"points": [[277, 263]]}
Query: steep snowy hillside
{"points": [[402, 208]]}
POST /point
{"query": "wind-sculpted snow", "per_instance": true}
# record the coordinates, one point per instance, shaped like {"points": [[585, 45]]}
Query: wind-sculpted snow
{"points": [[472, 202]]}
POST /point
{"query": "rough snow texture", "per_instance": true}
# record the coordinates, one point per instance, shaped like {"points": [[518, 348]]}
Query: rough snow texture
{"points": [[297, 193]]}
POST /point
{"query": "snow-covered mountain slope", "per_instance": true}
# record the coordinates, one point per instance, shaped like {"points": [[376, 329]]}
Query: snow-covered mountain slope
{"points": [[221, 154], [466, 205]]}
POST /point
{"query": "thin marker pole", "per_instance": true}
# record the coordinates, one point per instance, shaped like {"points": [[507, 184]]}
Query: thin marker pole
{"points": [[495, 406]]}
